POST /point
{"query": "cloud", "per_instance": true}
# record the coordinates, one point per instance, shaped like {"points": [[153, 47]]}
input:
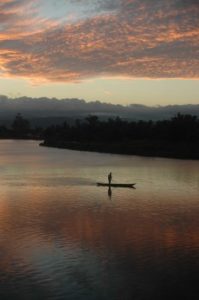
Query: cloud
{"points": [[48, 107], [129, 38]]}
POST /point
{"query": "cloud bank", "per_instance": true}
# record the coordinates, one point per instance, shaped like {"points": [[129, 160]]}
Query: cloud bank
{"points": [[78, 108], [115, 38]]}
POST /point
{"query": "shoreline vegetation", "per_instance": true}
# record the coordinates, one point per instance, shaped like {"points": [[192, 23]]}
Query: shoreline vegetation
{"points": [[178, 150], [174, 138]]}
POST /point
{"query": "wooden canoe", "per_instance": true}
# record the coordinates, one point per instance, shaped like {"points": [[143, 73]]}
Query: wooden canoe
{"points": [[122, 185]]}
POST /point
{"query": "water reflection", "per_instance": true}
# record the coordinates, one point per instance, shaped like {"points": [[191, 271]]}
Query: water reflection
{"points": [[62, 239], [91, 247], [109, 192]]}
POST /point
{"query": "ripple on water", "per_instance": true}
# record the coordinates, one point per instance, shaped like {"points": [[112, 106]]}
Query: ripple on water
{"points": [[62, 237]]}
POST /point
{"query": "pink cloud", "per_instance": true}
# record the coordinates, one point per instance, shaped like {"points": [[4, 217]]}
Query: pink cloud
{"points": [[138, 39]]}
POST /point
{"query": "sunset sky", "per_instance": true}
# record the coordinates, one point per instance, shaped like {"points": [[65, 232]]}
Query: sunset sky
{"points": [[118, 51]]}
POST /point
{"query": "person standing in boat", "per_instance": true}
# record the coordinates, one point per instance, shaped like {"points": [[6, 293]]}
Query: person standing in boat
{"points": [[109, 178]]}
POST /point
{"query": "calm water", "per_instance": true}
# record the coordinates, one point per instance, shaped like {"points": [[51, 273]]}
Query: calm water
{"points": [[61, 237]]}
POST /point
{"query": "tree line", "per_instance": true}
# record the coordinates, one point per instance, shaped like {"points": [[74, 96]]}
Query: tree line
{"points": [[179, 128], [20, 129], [177, 137]]}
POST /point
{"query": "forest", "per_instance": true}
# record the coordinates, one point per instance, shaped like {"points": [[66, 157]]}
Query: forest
{"points": [[20, 128], [177, 137]]}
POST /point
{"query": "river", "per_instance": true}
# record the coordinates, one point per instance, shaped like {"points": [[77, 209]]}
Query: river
{"points": [[62, 237]]}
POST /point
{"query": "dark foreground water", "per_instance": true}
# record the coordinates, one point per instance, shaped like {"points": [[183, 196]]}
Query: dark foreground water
{"points": [[61, 237]]}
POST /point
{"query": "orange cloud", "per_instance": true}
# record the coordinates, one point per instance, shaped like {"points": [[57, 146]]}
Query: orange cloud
{"points": [[131, 38]]}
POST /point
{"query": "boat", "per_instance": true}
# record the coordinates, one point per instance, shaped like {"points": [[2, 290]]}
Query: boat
{"points": [[122, 185]]}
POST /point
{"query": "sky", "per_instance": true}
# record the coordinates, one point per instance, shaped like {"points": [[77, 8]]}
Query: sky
{"points": [[117, 51]]}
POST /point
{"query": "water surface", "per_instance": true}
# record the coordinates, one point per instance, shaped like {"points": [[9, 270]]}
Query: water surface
{"points": [[62, 237]]}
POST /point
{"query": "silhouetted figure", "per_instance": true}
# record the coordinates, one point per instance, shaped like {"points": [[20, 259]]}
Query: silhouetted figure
{"points": [[109, 178]]}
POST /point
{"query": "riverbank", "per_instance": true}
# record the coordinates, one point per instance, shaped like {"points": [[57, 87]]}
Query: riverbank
{"points": [[155, 148]]}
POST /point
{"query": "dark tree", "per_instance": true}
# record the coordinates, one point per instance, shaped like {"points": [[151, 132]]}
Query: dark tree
{"points": [[20, 126], [178, 137], [184, 128]]}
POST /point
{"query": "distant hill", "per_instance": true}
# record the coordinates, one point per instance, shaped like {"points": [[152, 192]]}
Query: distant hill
{"points": [[46, 111]]}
